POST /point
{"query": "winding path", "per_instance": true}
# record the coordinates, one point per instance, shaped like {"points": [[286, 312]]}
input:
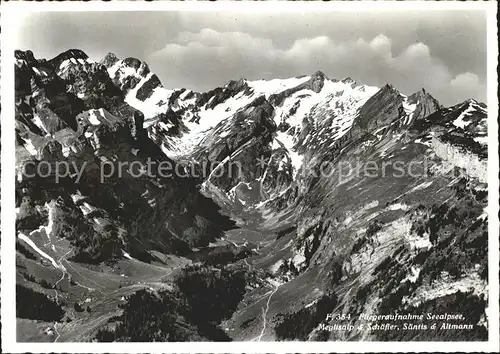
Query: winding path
{"points": [[57, 332]]}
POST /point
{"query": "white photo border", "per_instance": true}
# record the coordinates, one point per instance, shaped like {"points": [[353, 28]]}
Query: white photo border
{"points": [[11, 11]]}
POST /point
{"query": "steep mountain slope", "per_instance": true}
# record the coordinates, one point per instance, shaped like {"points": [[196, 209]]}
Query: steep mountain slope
{"points": [[295, 198], [72, 123]]}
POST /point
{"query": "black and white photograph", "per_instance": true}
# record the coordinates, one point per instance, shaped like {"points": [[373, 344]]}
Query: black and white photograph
{"points": [[262, 175]]}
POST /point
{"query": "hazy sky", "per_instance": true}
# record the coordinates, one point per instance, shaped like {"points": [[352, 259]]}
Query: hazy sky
{"points": [[445, 52]]}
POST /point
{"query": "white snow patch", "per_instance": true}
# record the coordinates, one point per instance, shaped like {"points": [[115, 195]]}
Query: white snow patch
{"points": [[64, 64], [484, 214], [398, 206], [311, 304], [298, 261], [483, 140], [77, 197], [38, 250], [460, 122], [409, 109], [93, 119], [28, 145], [417, 242], [420, 186], [337, 102], [184, 95], [98, 221], [413, 276], [126, 255], [114, 68], [269, 87], [371, 205], [421, 141], [276, 266], [198, 129], [149, 107], [38, 122], [47, 230], [86, 208], [285, 140], [65, 151], [347, 220], [20, 62], [50, 225], [165, 126]]}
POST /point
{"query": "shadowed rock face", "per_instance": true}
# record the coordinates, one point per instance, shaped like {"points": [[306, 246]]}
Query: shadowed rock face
{"points": [[109, 60], [426, 104], [381, 110], [317, 81], [299, 221], [221, 94]]}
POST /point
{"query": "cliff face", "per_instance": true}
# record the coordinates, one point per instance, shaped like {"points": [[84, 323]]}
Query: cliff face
{"points": [[473, 165]]}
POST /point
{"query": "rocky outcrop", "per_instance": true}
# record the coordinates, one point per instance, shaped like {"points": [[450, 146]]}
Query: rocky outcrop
{"points": [[426, 104], [472, 164], [381, 110]]}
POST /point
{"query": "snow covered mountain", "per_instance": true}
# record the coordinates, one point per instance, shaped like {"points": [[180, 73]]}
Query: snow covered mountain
{"points": [[301, 229]]}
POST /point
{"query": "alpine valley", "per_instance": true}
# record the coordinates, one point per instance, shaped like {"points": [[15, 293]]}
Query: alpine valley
{"points": [[290, 246]]}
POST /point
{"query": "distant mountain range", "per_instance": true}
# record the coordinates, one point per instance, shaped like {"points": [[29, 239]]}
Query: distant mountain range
{"points": [[349, 200]]}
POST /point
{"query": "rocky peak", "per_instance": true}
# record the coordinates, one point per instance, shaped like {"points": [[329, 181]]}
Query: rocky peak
{"points": [[319, 74], [426, 104], [109, 60], [381, 109], [25, 57], [472, 101], [389, 88], [127, 73], [141, 67], [422, 95], [317, 81], [237, 85], [348, 80], [69, 54]]}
